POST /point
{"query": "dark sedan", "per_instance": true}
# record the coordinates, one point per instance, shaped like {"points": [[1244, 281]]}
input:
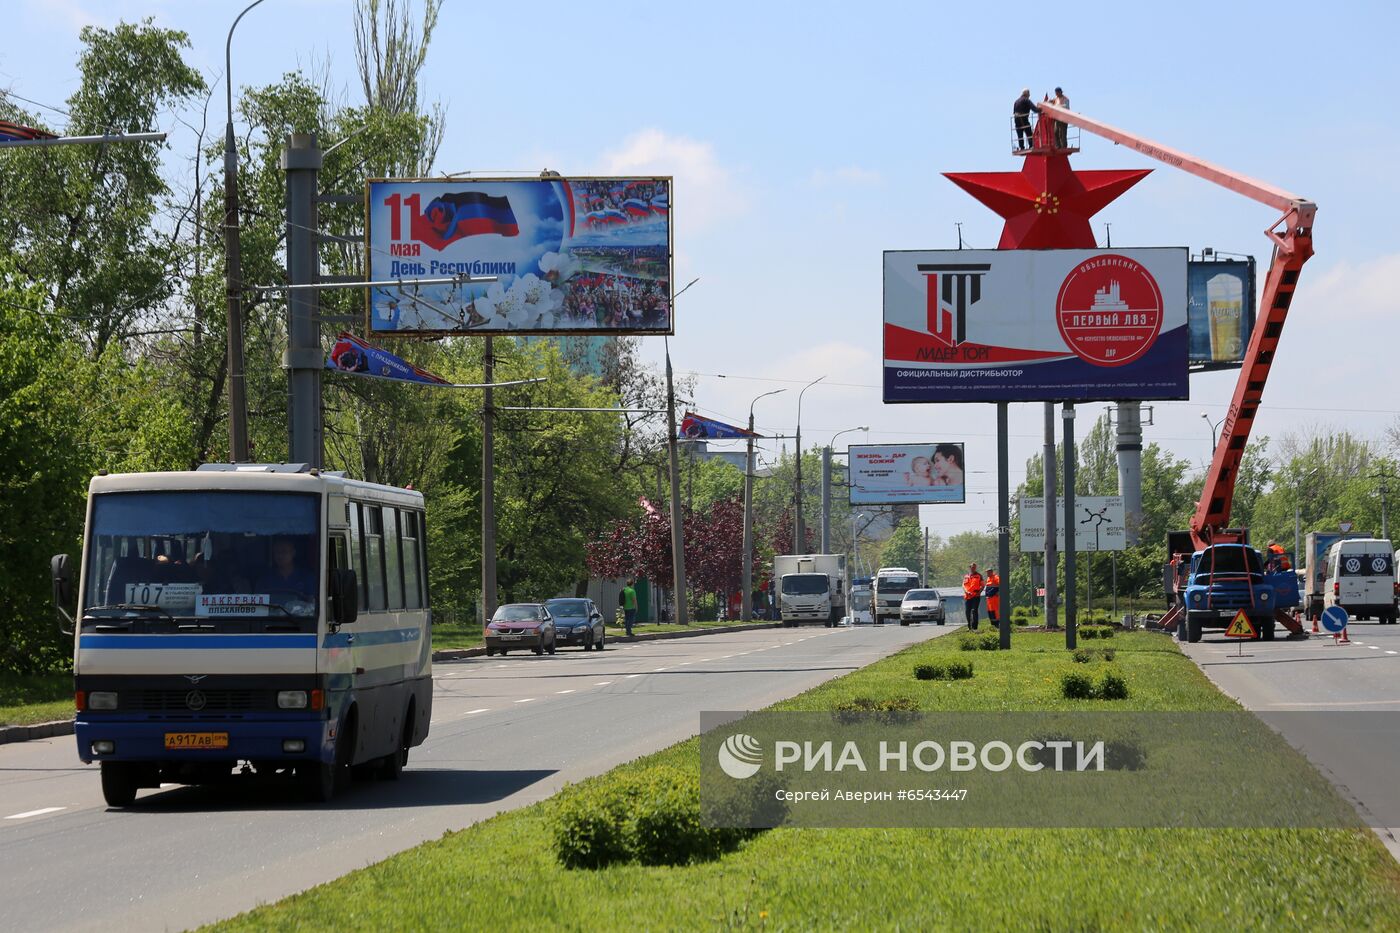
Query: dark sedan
{"points": [[520, 625], [577, 622]]}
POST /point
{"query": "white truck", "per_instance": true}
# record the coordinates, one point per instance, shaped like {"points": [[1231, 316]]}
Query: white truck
{"points": [[1313, 561], [811, 588], [891, 583], [1361, 578]]}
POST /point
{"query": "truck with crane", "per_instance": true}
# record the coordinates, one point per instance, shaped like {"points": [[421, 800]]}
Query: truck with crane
{"points": [[1291, 236]]}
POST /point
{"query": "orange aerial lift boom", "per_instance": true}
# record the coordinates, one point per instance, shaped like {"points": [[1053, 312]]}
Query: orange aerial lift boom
{"points": [[1291, 235]]}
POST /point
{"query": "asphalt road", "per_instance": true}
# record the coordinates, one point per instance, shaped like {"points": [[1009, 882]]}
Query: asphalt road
{"points": [[506, 732], [1337, 703]]}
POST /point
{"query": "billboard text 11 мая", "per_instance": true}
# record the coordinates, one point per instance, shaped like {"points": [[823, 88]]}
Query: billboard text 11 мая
{"points": [[569, 255]]}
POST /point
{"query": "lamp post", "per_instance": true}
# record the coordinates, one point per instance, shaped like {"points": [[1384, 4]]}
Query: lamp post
{"points": [[1213, 426], [800, 531], [233, 268], [826, 487], [747, 613], [855, 543]]}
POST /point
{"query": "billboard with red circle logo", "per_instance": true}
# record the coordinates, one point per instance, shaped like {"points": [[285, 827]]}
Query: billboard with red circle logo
{"points": [[1035, 325]]}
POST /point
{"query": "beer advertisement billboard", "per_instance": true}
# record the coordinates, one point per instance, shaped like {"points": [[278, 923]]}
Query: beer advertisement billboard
{"points": [[567, 255], [1220, 311], [1035, 325], [887, 474]]}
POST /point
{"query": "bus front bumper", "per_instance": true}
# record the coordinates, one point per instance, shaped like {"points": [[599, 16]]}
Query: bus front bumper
{"points": [[272, 739]]}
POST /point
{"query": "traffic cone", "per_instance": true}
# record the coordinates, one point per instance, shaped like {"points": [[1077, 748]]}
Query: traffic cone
{"points": [[1342, 638], [1315, 630]]}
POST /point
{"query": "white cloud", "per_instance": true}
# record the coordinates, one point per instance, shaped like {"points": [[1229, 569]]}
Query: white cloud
{"points": [[846, 175], [74, 13], [705, 189], [1354, 290]]}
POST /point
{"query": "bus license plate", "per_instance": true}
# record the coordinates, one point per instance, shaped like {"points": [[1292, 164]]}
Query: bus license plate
{"points": [[196, 740]]}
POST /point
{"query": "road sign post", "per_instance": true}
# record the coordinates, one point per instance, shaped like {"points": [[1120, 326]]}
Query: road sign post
{"points": [[1334, 620]]}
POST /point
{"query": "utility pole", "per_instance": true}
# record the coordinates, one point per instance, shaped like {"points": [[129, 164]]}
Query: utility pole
{"points": [[488, 484], [1385, 478], [748, 513], [1052, 508], [826, 499], [677, 517], [1071, 640], [800, 529], [1130, 467], [301, 160], [924, 575], [233, 269]]}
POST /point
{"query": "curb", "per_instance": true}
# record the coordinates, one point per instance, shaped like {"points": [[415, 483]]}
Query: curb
{"points": [[45, 730], [457, 654], [39, 730]]}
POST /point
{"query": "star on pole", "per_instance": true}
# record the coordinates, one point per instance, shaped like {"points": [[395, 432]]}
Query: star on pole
{"points": [[1047, 205]]}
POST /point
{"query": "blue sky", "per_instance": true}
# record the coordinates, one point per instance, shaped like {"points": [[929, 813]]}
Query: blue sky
{"points": [[807, 138]]}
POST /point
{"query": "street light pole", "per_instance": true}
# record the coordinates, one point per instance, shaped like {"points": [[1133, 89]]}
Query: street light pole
{"points": [[826, 487], [747, 614], [1214, 442], [800, 530], [233, 269]]}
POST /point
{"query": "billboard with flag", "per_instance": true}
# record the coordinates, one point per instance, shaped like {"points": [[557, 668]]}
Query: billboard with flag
{"points": [[1035, 325], [352, 355], [569, 255], [694, 427]]}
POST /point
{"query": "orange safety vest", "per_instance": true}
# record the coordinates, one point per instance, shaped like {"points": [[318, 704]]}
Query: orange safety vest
{"points": [[972, 586], [993, 591], [1278, 553]]}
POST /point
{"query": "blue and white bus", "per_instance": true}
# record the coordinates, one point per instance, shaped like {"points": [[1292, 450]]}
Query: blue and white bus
{"points": [[269, 614]]}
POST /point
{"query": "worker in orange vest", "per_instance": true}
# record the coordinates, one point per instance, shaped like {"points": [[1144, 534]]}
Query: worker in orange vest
{"points": [[1278, 557], [972, 595], [992, 591]]}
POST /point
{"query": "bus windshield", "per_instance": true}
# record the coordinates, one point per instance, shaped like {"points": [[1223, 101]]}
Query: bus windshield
{"points": [[860, 601], [204, 554]]}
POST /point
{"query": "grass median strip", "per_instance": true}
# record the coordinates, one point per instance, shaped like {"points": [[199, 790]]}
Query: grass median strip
{"points": [[29, 698], [885, 878]]}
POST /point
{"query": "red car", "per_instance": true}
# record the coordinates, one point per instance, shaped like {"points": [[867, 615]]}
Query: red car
{"points": [[520, 625]]}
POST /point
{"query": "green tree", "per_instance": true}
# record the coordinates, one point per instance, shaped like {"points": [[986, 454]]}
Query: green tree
{"points": [[905, 547]]}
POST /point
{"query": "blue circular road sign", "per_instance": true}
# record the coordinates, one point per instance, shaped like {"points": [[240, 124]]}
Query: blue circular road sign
{"points": [[1334, 619]]}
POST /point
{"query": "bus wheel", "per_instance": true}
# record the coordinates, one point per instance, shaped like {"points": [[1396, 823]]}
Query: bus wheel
{"points": [[118, 783], [391, 765]]}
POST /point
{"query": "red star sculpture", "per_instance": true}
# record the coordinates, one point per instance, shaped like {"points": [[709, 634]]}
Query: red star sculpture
{"points": [[1047, 205]]}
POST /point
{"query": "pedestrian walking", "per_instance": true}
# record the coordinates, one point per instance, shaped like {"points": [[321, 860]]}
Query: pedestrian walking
{"points": [[992, 590], [972, 595], [1021, 111], [629, 605]]}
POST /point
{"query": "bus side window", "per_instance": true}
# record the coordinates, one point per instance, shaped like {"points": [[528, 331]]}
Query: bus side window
{"points": [[374, 557], [412, 564], [357, 554], [393, 563]]}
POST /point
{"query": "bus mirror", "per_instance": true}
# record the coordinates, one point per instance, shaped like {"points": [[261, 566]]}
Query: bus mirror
{"points": [[345, 597], [62, 576]]}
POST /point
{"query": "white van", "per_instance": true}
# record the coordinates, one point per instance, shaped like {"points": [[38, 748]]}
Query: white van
{"points": [[1361, 578]]}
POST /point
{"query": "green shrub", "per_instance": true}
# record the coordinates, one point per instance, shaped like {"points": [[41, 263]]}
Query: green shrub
{"points": [[989, 641], [1088, 631], [651, 816], [1109, 654], [967, 642], [931, 672], [1076, 686], [1113, 687], [959, 670], [1021, 615], [1083, 655]]}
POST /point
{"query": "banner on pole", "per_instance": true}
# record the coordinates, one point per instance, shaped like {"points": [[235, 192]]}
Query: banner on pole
{"points": [[358, 358], [694, 427]]}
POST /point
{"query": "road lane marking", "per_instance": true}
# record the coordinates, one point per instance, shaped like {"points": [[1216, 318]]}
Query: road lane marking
{"points": [[558, 692], [629, 676], [659, 670], [40, 812], [602, 683], [1374, 647], [526, 700], [703, 660], [1390, 652], [473, 712]]}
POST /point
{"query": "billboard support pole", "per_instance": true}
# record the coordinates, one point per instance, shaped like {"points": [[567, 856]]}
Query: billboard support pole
{"points": [[488, 484], [304, 361], [1071, 641], [1130, 467], [826, 499], [677, 518], [1052, 561], [1003, 528]]}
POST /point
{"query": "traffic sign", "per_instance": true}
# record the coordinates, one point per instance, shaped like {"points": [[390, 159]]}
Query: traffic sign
{"points": [[1241, 627], [1334, 619], [1345, 526]]}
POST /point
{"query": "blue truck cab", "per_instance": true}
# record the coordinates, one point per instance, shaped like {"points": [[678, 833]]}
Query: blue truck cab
{"points": [[1226, 578]]}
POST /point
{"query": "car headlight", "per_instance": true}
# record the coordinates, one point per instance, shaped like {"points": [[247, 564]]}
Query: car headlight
{"points": [[1195, 597], [291, 699], [1264, 597], [102, 699]]}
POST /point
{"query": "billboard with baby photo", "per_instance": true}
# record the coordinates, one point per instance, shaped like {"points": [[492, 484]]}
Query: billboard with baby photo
{"points": [[566, 255], [885, 474]]}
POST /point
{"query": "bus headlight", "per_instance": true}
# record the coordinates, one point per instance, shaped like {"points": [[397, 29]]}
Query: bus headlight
{"points": [[102, 699], [104, 747], [291, 699], [1264, 597]]}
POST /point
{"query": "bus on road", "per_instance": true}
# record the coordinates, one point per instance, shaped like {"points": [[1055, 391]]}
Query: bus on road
{"points": [[272, 615]]}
